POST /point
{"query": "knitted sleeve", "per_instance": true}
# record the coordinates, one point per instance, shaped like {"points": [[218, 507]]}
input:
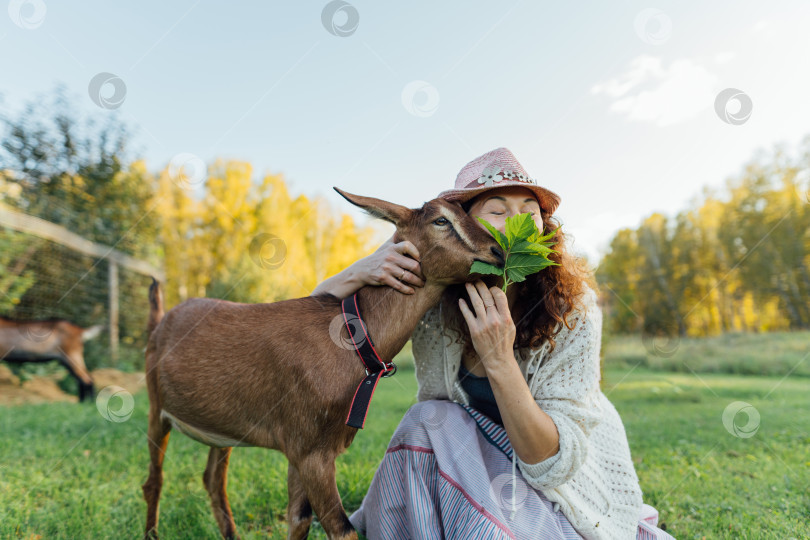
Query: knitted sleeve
{"points": [[427, 344], [568, 392]]}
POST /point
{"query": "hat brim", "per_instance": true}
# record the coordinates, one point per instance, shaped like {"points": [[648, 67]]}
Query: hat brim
{"points": [[549, 201]]}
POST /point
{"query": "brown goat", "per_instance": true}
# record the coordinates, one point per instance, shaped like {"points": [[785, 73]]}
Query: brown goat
{"points": [[277, 376], [49, 339]]}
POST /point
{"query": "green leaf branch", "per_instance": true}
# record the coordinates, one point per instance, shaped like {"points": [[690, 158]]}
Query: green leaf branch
{"points": [[525, 250]]}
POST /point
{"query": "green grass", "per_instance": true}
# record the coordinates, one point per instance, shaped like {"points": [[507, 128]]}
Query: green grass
{"points": [[65, 472], [775, 353], [704, 481]]}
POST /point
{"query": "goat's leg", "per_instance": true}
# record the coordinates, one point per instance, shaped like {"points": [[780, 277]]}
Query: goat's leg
{"points": [[74, 362], [299, 511], [317, 473], [82, 389], [158, 434], [86, 391], [215, 480]]}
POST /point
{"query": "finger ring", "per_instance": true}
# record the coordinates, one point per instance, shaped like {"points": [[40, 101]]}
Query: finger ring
{"points": [[402, 276], [489, 305]]}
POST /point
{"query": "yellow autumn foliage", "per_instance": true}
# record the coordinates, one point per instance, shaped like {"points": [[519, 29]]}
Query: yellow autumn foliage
{"points": [[245, 240]]}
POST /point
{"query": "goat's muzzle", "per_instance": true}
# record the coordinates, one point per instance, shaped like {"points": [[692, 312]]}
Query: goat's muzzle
{"points": [[498, 252]]}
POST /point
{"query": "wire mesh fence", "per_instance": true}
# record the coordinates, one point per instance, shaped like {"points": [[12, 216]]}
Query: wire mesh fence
{"points": [[44, 278]]}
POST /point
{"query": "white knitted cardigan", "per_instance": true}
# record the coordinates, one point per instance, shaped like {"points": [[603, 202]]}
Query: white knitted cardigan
{"points": [[592, 477]]}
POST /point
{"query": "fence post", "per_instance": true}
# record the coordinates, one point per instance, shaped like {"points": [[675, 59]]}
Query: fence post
{"points": [[113, 308]]}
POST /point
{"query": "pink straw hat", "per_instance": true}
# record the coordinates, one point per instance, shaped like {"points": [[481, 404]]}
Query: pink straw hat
{"points": [[498, 168]]}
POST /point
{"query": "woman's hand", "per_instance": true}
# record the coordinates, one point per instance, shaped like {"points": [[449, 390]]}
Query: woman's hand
{"points": [[389, 265], [491, 327], [393, 264]]}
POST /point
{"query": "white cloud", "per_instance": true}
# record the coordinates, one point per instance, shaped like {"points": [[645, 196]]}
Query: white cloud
{"points": [[650, 92]]}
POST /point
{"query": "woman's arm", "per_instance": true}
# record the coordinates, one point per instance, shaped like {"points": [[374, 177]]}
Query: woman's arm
{"points": [[393, 264], [549, 434], [531, 431]]}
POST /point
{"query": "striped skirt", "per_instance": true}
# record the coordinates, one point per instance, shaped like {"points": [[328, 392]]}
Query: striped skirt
{"points": [[447, 473]]}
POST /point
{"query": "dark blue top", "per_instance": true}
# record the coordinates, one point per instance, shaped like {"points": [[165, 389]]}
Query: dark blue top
{"points": [[481, 396]]}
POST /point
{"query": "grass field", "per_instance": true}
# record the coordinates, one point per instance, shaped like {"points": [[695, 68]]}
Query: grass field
{"points": [[774, 353], [65, 472]]}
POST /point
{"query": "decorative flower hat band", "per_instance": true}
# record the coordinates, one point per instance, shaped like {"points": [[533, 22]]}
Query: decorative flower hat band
{"points": [[493, 174]]}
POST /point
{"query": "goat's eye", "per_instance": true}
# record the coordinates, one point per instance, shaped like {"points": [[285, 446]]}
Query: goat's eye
{"points": [[441, 221]]}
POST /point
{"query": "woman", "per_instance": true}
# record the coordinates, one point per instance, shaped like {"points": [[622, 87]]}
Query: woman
{"points": [[513, 386]]}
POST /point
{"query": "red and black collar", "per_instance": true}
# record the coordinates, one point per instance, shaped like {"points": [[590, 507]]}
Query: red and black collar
{"points": [[375, 367]]}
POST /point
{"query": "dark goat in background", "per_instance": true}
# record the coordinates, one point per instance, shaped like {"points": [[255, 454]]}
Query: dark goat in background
{"points": [[45, 340]]}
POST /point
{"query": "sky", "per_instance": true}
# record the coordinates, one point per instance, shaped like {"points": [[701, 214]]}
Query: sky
{"points": [[622, 108]]}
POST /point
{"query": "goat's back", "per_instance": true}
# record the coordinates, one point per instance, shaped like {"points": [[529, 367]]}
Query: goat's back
{"points": [[48, 337]]}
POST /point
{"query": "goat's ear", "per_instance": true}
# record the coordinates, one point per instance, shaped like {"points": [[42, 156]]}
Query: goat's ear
{"points": [[378, 208]]}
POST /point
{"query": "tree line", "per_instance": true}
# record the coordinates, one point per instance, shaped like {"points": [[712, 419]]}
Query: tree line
{"points": [[736, 260]]}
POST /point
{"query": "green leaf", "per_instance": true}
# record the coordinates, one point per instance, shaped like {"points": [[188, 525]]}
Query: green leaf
{"points": [[499, 236], [545, 238], [521, 265], [532, 248], [526, 251], [480, 267], [536, 237], [519, 227], [519, 273]]}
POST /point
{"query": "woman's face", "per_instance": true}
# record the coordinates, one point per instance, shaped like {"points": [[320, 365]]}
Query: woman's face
{"points": [[496, 205]]}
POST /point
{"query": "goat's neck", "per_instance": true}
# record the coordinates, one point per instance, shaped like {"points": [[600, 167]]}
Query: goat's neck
{"points": [[391, 316]]}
